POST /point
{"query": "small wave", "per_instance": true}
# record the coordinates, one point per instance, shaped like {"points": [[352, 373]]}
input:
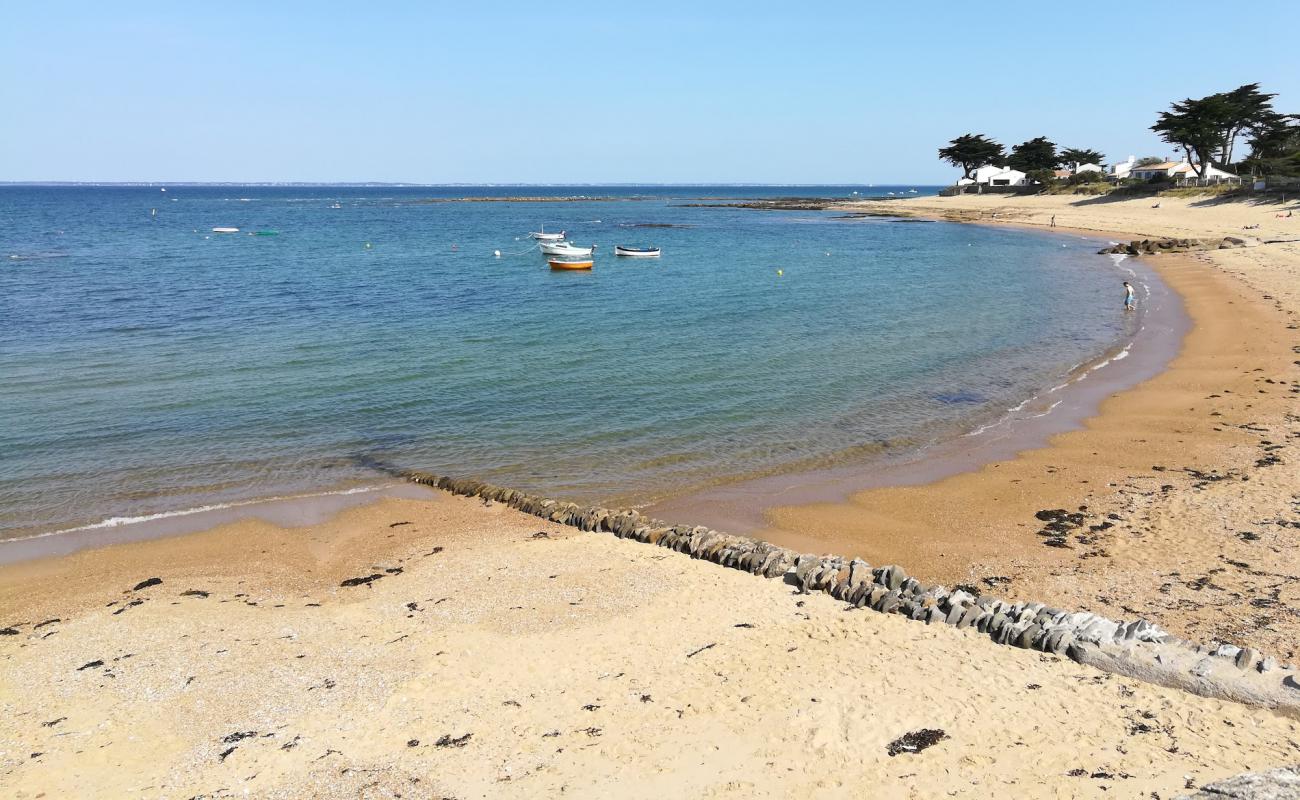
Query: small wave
{"points": [[1049, 410], [116, 522], [35, 256]]}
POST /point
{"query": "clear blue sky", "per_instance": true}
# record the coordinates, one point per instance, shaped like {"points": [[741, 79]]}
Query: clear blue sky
{"points": [[811, 92]]}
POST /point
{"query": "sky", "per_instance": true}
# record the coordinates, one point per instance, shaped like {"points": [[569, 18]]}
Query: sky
{"points": [[560, 92]]}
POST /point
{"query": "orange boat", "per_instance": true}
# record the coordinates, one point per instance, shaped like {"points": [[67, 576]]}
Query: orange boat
{"points": [[558, 264]]}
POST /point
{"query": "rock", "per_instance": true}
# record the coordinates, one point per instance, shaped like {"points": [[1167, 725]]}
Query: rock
{"points": [[969, 617], [1079, 650], [447, 740], [875, 596], [859, 572], [1027, 636], [145, 584], [889, 603], [1245, 659], [362, 581], [916, 741], [1282, 783]]}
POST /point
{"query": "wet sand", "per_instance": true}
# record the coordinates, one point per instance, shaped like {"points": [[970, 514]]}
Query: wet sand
{"points": [[479, 659]]}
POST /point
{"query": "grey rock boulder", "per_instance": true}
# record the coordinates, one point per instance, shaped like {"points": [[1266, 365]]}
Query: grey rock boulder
{"points": [[1282, 783]]}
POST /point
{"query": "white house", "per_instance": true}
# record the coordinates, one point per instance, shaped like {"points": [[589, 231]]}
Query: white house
{"points": [[1178, 170], [1077, 168], [995, 176], [1123, 169]]}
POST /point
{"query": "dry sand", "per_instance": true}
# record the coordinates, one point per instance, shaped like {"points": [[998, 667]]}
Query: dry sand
{"points": [[497, 664], [1194, 470]]}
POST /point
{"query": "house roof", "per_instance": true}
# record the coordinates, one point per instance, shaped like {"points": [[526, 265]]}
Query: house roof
{"points": [[1162, 166]]}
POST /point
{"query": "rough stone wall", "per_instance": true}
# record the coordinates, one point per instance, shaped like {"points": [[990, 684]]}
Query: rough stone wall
{"points": [[1135, 648]]}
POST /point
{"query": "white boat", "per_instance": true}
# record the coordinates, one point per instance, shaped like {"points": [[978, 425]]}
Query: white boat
{"points": [[565, 249], [543, 236], [225, 230], [636, 252]]}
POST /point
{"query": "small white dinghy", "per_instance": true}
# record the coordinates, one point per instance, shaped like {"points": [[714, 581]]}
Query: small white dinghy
{"points": [[225, 230], [543, 236], [636, 252], [565, 249]]}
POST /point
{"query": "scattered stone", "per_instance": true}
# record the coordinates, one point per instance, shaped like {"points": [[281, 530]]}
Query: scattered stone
{"points": [[91, 665], [916, 741], [239, 736], [194, 593], [132, 604], [446, 740], [363, 581], [8, 631], [412, 742], [145, 584]]}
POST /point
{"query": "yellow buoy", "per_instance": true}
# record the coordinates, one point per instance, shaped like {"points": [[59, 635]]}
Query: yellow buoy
{"points": [[779, 273]]}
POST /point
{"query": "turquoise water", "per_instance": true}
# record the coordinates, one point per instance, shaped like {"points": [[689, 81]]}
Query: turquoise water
{"points": [[148, 365]]}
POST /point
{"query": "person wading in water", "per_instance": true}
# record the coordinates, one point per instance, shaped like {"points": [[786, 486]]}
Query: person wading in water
{"points": [[1128, 296]]}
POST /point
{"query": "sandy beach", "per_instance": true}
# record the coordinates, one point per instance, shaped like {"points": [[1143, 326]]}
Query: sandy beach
{"points": [[444, 646], [496, 656]]}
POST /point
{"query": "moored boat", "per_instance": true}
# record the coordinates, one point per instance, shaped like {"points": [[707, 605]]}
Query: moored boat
{"points": [[636, 252], [563, 264], [565, 249], [225, 230], [543, 236]]}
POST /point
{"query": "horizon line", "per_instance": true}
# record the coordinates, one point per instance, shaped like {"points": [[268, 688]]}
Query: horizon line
{"points": [[486, 184]]}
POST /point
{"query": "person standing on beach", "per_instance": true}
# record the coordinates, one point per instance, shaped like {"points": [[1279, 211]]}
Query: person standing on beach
{"points": [[1128, 296], [1053, 221]]}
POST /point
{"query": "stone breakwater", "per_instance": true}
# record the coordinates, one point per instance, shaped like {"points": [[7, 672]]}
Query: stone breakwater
{"points": [[1136, 648]]}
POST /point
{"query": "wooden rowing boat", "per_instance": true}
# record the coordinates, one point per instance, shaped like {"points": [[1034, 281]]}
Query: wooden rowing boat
{"points": [[569, 264], [636, 252]]}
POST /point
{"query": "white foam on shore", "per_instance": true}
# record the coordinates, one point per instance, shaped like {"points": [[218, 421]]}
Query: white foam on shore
{"points": [[115, 522]]}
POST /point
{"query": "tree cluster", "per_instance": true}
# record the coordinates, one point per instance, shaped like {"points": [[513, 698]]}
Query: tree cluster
{"points": [[972, 151], [1208, 129]]}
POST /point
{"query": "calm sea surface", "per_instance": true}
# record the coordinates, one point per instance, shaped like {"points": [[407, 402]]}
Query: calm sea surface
{"points": [[150, 365]]}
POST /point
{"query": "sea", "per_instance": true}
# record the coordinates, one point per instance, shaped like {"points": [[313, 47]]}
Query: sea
{"points": [[151, 366]]}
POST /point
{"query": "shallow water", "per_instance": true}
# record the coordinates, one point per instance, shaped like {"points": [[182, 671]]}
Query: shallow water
{"points": [[149, 365]]}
